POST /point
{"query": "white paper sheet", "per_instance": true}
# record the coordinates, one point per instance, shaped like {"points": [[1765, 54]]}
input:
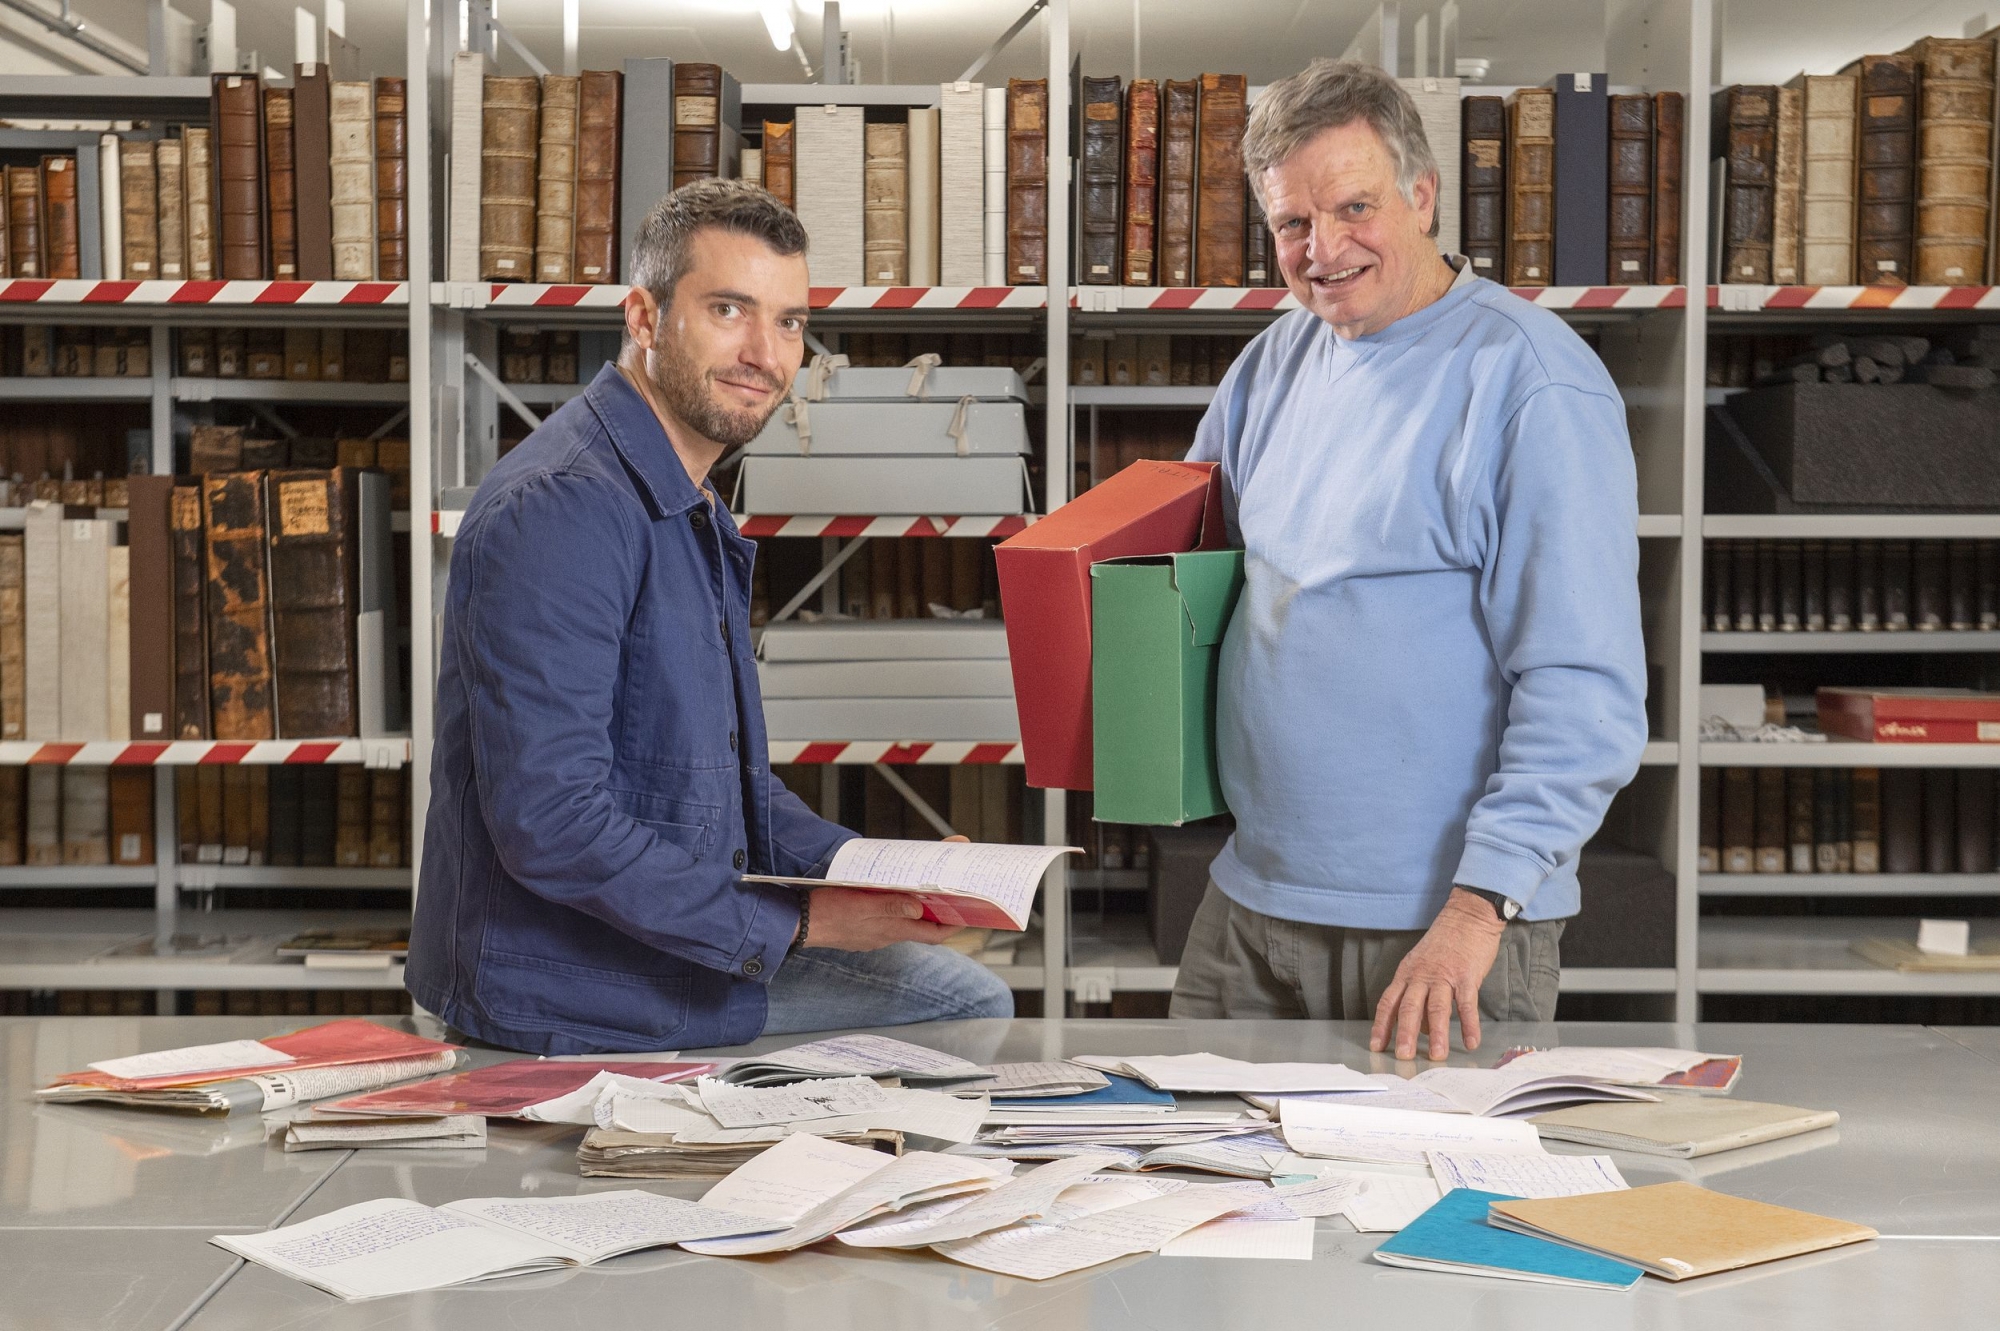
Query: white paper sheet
{"points": [[388, 1246], [915, 1176], [1028, 1080], [1515, 1090], [793, 1177], [855, 1056], [1327, 1195], [1391, 1092], [453, 1131], [908, 1110], [1523, 1174], [633, 1113], [1246, 1156], [1271, 1240], [1039, 1252], [1396, 1136], [1007, 876], [193, 1059], [1615, 1063], [756, 1106], [598, 1225], [1212, 1073], [1103, 1192], [1028, 1194]]}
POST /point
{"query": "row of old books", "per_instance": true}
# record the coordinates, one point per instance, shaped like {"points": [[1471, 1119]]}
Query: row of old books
{"points": [[39, 230], [328, 355], [1840, 586], [1901, 820], [75, 440], [302, 184], [75, 815], [1572, 185], [917, 578], [1153, 360], [1882, 173], [311, 816], [223, 448], [205, 1003], [1121, 438]]}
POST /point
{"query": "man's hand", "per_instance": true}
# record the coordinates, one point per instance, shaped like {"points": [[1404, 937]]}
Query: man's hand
{"points": [[855, 921], [1444, 970]]}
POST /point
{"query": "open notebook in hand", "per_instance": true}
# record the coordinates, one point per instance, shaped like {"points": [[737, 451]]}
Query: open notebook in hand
{"points": [[959, 883]]}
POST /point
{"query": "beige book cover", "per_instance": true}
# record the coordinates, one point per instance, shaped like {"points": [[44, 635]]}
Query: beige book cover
{"points": [[1677, 1230], [1787, 200], [1826, 216], [1683, 1126], [352, 168]]}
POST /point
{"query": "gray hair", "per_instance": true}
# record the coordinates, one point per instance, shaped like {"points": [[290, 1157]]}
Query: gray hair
{"points": [[1326, 95], [660, 257]]}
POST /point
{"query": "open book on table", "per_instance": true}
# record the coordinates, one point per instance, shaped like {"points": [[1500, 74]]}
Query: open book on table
{"points": [[963, 883]]}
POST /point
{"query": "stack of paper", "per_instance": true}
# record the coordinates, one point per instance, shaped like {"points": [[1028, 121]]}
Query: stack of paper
{"points": [[396, 1246], [456, 1132], [1395, 1136], [852, 1056], [1026, 1081], [1214, 1074]]}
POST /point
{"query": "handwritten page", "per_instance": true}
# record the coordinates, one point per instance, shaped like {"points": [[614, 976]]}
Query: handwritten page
{"points": [[1396, 1136], [1328, 1195], [905, 1109], [1513, 1090], [794, 1176], [389, 1246], [1524, 1174], [1247, 1156], [598, 1225], [1391, 1092], [852, 1056], [1128, 1156], [1037, 1252], [1384, 1200], [1211, 1073], [1102, 1192], [913, 1177], [1029, 1080], [192, 1059], [1270, 1240], [1029, 1194], [1007, 876], [754, 1106]]}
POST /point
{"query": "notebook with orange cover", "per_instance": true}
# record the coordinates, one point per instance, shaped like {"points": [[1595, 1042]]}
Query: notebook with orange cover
{"points": [[1676, 1230]]}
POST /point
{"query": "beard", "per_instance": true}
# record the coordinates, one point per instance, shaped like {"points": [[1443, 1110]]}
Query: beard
{"points": [[688, 390]]}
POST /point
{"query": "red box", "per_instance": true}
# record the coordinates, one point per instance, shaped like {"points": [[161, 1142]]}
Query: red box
{"points": [[1911, 716], [1150, 508]]}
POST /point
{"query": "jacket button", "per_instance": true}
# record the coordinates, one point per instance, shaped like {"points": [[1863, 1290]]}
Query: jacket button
{"points": [[737, 859], [699, 519], [722, 627], [753, 967], [732, 741]]}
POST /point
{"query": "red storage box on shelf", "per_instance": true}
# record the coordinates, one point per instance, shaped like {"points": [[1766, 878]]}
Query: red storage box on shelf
{"points": [[1150, 508], [1911, 716]]}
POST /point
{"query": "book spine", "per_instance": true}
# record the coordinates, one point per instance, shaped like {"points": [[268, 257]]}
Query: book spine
{"points": [[962, 170], [1631, 203], [1751, 128], [237, 104], [922, 196], [555, 180], [1582, 194], [42, 621], [312, 164], [1669, 148], [1142, 182], [1483, 178], [59, 193], [111, 207], [599, 116], [281, 184], [697, 122], [190, 656], [1220, 110], [27, 250], [1531, 149], [830, 159], [507, 183], [778, 178], [1099, 181], [239, 607], [1954, 160], [1027, 181], [1885, 174], [198, 189], [885, 222], [1772, 831], [1178, 101], [468, 85], [1788, 177], [392, 180], [994, 237], [351, 171], [1826, 219], [139, 226], [1739, 820], [13, 640], [170, 193], [314, 599]]}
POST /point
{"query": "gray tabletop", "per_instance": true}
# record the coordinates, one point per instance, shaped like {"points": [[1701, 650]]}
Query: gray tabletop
{"points": [[1917, 1156], [1982, 1040]]}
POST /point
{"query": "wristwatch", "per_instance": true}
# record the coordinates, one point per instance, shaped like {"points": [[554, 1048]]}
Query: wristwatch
{"points": [[1506, 908]]}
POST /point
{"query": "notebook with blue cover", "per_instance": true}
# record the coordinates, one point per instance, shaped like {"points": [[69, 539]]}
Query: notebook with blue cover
{"points": [[1122, 1093], [1453, 1236]]}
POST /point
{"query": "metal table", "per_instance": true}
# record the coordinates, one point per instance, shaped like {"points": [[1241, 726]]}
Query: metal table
{"points": [[1917, 1155]]}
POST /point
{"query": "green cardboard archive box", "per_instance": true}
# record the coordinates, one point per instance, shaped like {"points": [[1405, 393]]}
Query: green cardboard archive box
{"points": [[1157, 623]]}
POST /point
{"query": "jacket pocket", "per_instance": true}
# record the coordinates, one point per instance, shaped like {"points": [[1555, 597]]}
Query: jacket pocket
{"points": [[627, 1011], [686, 823]]}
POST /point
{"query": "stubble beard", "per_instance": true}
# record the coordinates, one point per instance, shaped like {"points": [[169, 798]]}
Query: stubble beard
{"points": [[688, 392]]}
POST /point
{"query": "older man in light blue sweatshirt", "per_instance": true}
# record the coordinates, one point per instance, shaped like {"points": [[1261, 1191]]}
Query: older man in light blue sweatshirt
{"points": [[1435, 680]]}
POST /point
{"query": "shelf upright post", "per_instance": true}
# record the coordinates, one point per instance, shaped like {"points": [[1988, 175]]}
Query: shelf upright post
{"points": [[423, 545], [1060, 472]]}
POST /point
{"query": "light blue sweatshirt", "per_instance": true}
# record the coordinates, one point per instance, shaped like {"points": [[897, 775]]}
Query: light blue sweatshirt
{"points": [[1435, 675]]}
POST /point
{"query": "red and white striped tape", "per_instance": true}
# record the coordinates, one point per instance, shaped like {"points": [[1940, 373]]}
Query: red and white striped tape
{"points": [[927, 753], [848, 527], [190, 753], [23, 291], [1745, 297]]}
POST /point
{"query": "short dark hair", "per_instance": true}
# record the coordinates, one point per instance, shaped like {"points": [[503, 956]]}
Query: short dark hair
{"points": [[660, 251]]}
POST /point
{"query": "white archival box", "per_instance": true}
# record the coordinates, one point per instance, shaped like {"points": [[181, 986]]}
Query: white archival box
{"points": [[885, 679], [908, 486], [888, 640], [939, 679], [975, 719]]}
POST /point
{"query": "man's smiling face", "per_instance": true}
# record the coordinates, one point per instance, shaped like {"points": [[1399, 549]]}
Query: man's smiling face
{"points": [[1351, 247]]}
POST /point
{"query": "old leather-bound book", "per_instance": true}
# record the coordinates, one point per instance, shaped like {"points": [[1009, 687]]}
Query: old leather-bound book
{"points": [[351, 168], [1483, 210], [236, 117], [239, 607], [1885, 173], [131, 815], [59, 200], [198, 187], [555, 180], [1177, 126], [386, 802], [171, 194], [1748, 127], [1027, 181], [392, 180], [600, 106], [697, 122], [1631, 241], [1954, 159], [778, 159], [1142, 182], [1787, 178], [139, 225], [86, 816], [314, 599], [312, 151], [281, 184], [1668, 146], [885, 206], [1531, 170], [1826, 211], [1218, 213], [508, 134], [13, 792], [1101, 149], [1260, 263], [190, 582], [149, 503], [27, 251], [13, 640], [1739, 820], [282, 811], [350, 820], [318, 802]]}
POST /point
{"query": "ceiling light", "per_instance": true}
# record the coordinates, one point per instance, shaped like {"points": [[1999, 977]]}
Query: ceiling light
{"points": [[778, 22]]}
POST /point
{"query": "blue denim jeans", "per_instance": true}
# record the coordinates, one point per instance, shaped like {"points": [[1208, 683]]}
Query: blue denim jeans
{"points": [[825, 989]]}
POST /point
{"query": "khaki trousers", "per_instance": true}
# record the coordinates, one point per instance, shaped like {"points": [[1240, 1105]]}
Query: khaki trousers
{"points": [[1239, 963]]}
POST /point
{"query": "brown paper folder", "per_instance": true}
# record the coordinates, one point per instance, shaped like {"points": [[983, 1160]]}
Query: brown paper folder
{"points": [[1677, 1230]]}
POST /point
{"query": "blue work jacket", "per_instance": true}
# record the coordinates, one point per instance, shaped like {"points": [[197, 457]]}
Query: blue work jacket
{"points": [[600, 782]]}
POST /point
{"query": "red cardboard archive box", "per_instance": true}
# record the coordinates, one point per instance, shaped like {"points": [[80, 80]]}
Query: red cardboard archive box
{"points": [[1150, 508], [1911, 716]]}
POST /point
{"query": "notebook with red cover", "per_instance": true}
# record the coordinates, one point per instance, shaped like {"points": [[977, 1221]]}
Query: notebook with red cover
{"points": [[503, 1090], [332, 1044], [1911, 716]]}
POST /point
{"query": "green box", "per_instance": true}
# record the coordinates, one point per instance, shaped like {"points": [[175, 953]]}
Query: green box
{"points": [[1157, 623]]}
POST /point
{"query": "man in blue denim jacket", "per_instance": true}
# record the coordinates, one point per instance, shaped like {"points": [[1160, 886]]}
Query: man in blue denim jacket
{"points": [[599, 785]]}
